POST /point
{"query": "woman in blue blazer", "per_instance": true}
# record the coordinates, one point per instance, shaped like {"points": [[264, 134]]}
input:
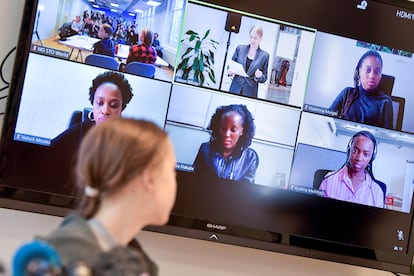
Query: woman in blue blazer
{"points": [[254, 61]]}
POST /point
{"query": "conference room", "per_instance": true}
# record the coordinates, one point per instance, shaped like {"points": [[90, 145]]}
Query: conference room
{"points": [[70, 29]]}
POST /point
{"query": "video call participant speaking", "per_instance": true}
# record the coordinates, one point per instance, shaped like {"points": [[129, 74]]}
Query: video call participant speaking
{"points": [[365, 103], [255, 63], [109, 95], [227, 154], [355, 181]]}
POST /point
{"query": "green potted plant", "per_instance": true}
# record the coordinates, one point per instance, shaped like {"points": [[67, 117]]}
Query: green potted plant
{"points": [[197, 62]]}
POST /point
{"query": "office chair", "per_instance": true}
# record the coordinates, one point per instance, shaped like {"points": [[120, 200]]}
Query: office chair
{"points": [[318, 176], [386, 84], [140, 69], [102, 61], [79, 116], [398, 105]]}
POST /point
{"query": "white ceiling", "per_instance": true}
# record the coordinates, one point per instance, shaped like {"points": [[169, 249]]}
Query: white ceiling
{"points": [[123, 5]]}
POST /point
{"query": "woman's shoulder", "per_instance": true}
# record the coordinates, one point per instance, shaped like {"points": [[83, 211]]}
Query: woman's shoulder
{"points": [[250, 152], [73, 240]]}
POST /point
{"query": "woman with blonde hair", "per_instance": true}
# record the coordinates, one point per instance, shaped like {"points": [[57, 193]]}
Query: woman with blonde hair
{"points": [[126, 169], [144, 51], [255, 62]]}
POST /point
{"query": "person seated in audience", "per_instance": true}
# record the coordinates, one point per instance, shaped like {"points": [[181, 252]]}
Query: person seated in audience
{"points": [[77, 24], [132, 36], [228, 154], [126, 172], [157, 45], [120, 34], [143, 52], [105, 46], [87, 26], [355, 181], [95, 28]]}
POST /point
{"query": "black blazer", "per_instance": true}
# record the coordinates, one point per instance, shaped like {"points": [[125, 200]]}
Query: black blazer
{"points": [[249, 84]]}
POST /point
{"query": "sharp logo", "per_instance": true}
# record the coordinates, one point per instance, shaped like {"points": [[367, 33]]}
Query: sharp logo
{"points": [[216, 226]]}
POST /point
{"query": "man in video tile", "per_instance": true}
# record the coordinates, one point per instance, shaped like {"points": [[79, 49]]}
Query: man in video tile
{"points": [[227, 154], [365, 103]]}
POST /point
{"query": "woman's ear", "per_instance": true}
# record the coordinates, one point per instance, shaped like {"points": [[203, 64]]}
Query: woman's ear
{"points": [[148, 179]]}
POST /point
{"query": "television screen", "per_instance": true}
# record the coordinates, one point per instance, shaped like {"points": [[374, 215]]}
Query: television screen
{"points": [[293, 131]]}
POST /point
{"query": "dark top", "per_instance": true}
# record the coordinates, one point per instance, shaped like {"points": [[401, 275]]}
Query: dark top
{"points": [[374, 108], [249, 85], [63, 152], [104, 47], [240, 166], [75, 241]]}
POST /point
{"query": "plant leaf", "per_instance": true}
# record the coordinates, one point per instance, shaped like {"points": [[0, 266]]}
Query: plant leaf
{"points": [[191, 32], [183, 64], [201, 79], [206, 34], [192, 37], [197, 46], [189, 49]]}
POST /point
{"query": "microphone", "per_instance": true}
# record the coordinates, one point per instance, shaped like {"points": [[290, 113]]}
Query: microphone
{"points": [[36, 258]]}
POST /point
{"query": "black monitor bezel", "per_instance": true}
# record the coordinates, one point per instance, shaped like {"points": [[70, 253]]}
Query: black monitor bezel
{"points": [[180, 225]]}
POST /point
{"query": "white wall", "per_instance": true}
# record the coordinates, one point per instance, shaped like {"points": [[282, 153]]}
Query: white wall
{"points": [[174, 255]]}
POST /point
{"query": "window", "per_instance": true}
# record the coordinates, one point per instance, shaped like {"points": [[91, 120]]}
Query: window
{"points": [[176, 13]]}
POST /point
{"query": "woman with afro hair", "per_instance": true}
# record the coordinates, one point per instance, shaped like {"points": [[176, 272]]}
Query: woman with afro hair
{"points": [[227, 154]]}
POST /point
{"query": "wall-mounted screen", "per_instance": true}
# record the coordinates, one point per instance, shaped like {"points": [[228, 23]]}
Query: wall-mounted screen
{"points": [[293, 131]]}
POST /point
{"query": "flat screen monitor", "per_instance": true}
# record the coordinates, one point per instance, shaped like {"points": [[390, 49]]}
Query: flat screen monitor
{"points": [[284, 141]]}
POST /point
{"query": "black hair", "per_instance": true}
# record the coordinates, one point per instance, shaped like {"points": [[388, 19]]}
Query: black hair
{"points": [[370, 53], [355, 91], [247, 118], [116, 78], [371, 137]]}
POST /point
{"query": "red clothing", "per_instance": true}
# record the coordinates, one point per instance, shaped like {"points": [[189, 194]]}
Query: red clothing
{"points": [[142, 53]]}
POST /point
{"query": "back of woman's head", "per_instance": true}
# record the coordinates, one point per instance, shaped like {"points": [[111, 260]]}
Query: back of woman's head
{"points": [[147, 36], [108, 29], [112, 154]]}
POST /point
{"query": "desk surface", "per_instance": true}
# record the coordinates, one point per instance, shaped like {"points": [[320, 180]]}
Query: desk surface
{"points": [[82, 42]]}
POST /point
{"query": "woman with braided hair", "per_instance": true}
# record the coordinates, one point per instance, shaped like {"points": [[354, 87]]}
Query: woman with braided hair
{"points": [[365, 103], [355, 181], [227, 154]]}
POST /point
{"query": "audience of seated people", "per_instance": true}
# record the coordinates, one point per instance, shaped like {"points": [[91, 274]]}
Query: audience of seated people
{"points": [[144, 46]]}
